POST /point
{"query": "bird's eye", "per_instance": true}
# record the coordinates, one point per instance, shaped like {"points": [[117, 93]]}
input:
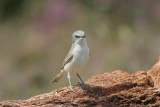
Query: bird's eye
{"points": [[77, 36]]}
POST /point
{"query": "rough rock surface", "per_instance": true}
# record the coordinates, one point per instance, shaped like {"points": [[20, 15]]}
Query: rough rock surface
{"points": [[116, 89]]}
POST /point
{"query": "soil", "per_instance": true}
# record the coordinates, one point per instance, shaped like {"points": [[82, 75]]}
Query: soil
{"points": [[116, 89]]}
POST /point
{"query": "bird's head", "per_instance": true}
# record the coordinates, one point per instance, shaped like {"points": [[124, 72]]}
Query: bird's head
{"points": [[78, 36]]}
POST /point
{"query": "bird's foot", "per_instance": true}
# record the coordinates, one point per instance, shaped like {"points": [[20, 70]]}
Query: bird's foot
{"points": [[83, 85], [72, 90]]}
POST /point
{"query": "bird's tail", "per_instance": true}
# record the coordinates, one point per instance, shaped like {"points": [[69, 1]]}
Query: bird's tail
{"points": [[58, 76]]}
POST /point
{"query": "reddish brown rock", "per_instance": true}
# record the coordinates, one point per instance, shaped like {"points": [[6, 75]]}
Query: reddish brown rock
{"points": [[154, 72], [116, 89]]}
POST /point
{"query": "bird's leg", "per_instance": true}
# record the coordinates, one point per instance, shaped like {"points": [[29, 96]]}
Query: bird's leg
{"points": [[82, 82], [70, 85]]}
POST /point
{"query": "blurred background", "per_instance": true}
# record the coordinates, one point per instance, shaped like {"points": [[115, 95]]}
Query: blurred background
{"points": [[35, 36]]}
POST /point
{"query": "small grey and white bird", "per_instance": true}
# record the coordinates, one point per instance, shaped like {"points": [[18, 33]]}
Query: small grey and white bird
{"points": [[76, 58]]}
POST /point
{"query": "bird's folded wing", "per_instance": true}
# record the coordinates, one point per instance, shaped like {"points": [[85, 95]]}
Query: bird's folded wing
{"points": [[68, 59]]}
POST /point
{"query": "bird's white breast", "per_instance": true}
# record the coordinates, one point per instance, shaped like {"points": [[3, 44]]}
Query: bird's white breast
{"points": [[80, 57]]}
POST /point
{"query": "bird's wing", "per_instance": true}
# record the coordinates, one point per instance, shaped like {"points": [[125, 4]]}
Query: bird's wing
{"points": [[68, 59]]}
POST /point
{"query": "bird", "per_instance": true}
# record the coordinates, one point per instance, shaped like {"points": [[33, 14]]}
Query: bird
{"points": [[76, 58]]}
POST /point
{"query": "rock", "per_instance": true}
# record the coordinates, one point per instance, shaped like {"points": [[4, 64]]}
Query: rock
{"points": [[116, 89], [154, 72]]}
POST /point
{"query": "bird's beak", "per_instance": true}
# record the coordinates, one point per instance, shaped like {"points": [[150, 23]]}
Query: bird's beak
{"points": [[83, 37]]}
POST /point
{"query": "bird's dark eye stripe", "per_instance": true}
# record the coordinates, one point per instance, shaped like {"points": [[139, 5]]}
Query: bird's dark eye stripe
{"points": [[80, 36], [77, 36]]}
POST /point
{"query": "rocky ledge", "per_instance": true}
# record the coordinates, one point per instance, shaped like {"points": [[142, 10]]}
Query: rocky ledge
{"points": [[116, 89]]}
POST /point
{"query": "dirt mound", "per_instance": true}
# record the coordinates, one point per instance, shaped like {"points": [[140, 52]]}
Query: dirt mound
{"points": [[116, 89]]}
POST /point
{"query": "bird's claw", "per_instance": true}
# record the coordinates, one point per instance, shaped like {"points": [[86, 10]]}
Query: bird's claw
{"points": [[83, 85], [72, 90]]}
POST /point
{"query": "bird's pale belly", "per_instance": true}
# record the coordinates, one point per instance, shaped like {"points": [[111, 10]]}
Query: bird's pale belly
{"points": [[80, 59], [78, 65]]}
